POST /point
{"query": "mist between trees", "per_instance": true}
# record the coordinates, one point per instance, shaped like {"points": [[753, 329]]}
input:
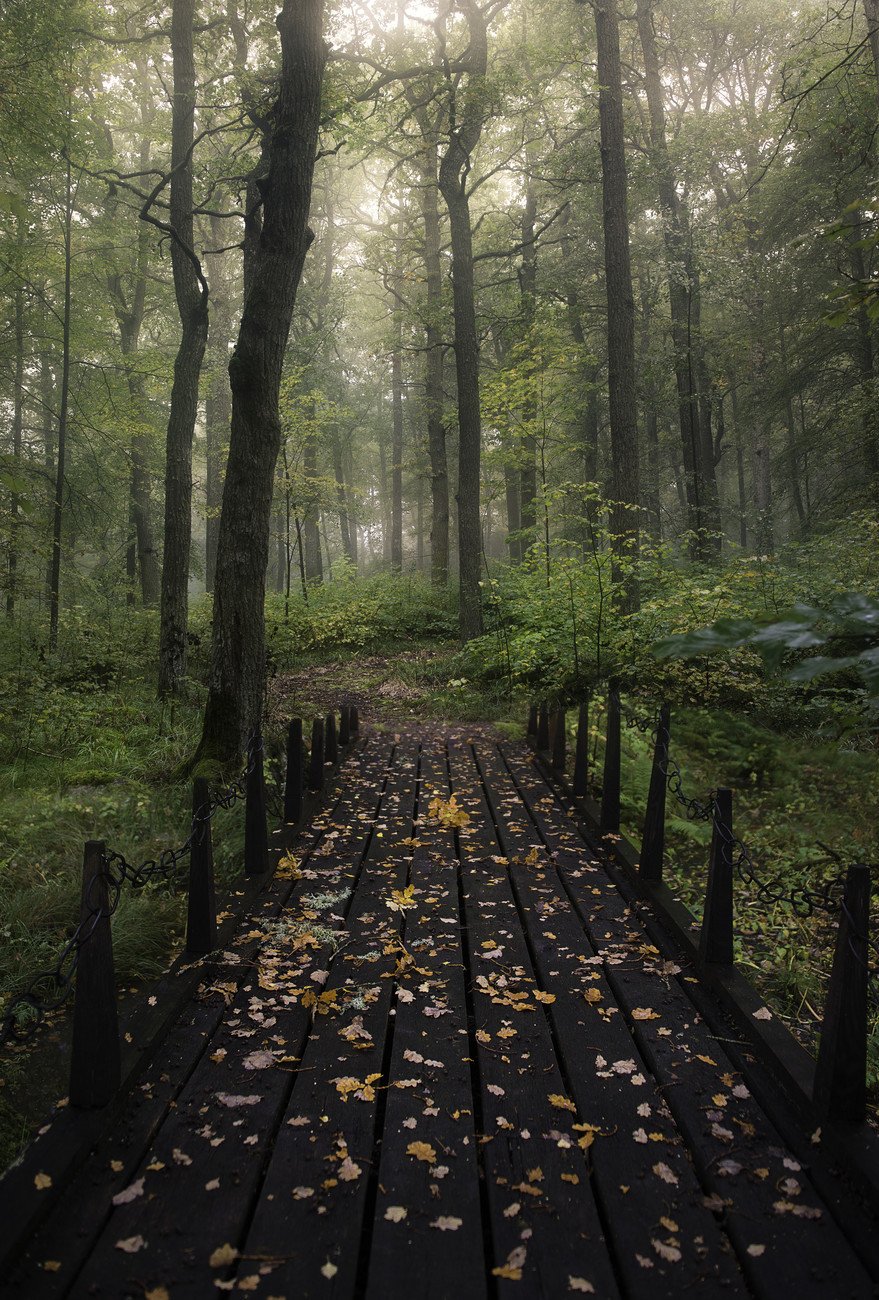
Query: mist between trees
{"points": [[494, 291]]}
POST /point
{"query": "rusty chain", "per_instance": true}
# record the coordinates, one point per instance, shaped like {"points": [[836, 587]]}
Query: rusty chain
{"points": [[116, 870], [827, 898]]}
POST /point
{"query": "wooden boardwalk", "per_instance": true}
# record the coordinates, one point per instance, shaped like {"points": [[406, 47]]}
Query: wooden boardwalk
{"points": [[448, 1059]]}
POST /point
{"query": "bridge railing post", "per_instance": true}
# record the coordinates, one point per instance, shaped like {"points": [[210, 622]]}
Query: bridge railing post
{"points": [[716, 938], [542, 740], [293, 780], [95, 1058], [345, 725], [581, 752], [610, 785], [653, 838], [532, 722], [256, 839], [201, 911], [332, 740], [355, 720], [316, 764], [840, 1088], [559, 741]]}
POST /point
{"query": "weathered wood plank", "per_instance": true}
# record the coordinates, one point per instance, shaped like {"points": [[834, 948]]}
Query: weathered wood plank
{"points": [[436, 1250], [663, 1236], [194, 1187], [785, 1239], [544, 1223], [318, 1187]]}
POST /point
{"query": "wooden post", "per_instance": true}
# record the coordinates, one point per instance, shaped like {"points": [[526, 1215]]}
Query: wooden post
{"points": [[653, 839], [345, 725], [293, 782], [355, 720], [316, 766], [716, 939], [332, 743], [256, 838], [559, 739], [581, 753], [840, 1090], [95, 1058], [610, 785], [532, 721], [542, 741], [201, 914]]}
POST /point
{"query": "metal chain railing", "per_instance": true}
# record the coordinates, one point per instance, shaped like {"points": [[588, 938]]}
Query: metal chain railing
{"points": [[804, 900], [115, 871]]}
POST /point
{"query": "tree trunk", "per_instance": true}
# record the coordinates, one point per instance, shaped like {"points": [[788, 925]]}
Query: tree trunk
{"points": [[453, 173], [17, 427], [314, 569], [527, 308], [342, 498], [218, 398], [63, 411], [433, 369], [740, 466], [397, 410], [864, 353], [679, 264], [871, 13], [237, 682], [512, 486], [649, 401], [620, 295], [190, 290], [793, 465]]}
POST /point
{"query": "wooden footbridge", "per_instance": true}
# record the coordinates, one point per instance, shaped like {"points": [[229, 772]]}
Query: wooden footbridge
{"points": [[448, 1049]]}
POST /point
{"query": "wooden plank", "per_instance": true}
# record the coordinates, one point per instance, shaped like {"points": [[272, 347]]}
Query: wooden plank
{"points": [[546, 1232], [436, 1250], [785, 1240], [662, 1235], [65, 1141], [194, 1188], [319, 1187]]}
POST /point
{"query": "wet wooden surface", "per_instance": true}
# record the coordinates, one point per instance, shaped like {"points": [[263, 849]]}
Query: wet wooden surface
{"points": [[444, 1058]]}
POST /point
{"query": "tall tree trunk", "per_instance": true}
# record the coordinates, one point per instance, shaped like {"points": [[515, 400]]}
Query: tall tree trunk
{"points": [[740, 465], [191, 292], [649, 401], [314, 569], [512, 486], [527, 310], [793, 464], [466, 129], [63, 412], [384, 493], [433, 368], [865, 354], [129, 308], [680, 271], [620, 295], [342, 498], [397, 409], [871, 13], [218, 398], [237, 681], [348, 472], [17, 427]]}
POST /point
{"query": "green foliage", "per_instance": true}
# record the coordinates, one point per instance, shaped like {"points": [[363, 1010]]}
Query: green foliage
{"points": [[371, 612], [848, 630]]}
